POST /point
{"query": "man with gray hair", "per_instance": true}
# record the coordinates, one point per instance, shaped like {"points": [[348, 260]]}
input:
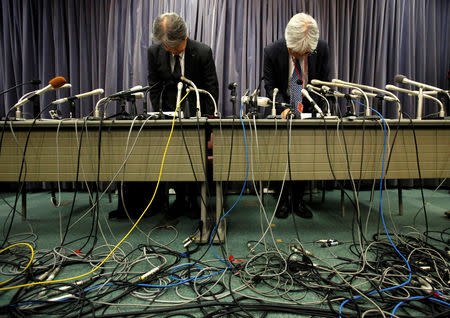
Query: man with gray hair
{"points": [[289, 64], [175, 55]]}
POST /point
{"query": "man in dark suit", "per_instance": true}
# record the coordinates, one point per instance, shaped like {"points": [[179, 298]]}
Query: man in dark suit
{"points": [[173, 56], [176, 55], [289, 64]]}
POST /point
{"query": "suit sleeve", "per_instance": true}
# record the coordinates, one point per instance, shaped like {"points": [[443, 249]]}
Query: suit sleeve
{"points": [[211, 82], [153, 79], [270, 81], [324, 68]]}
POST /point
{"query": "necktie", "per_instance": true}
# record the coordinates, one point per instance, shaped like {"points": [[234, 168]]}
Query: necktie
{"points": [[296, 87], [177, 68]]}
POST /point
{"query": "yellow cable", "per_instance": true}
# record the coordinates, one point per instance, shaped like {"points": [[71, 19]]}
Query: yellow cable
{"points": [[29, 263], [129, 232]]}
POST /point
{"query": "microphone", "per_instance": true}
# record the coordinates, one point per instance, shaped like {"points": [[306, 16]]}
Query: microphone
{"points": [[216, 112], [274, 111], [232, 85], [54, 83], [312, 87], [191, 83], [262, 101], [78, 96], [419, 95], [259, 84], [312, 101], [32, 82], [139, 95], [403, 79], [386, 98], [122, 94], [179, 88]]}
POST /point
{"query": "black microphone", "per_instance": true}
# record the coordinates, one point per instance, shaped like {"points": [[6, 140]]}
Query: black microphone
{"points": [[299, 82], [232, 86], [161, 114], [32, 82], [133, 90], [259, 85]]}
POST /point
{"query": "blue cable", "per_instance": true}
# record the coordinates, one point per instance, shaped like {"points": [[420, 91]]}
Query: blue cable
{"points": [[382, 218], [240, 194], [214, 229], [418, 297]]}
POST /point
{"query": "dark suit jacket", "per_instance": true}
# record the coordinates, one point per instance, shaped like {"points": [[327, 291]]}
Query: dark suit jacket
{"points": [[199, 67], [276, 69]]}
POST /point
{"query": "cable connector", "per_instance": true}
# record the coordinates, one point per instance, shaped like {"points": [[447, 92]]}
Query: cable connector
{"points": [[188, 241], [425, 285], [330, 242], [62, 297], [151, 272]]}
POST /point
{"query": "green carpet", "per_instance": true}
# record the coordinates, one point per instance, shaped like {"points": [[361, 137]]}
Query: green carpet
{"points": [[266, 270]]}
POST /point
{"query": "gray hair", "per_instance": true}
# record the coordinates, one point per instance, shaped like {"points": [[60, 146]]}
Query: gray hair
{"points": [[169, 29], [302, 33]]}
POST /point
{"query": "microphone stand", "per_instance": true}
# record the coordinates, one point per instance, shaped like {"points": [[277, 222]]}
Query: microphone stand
{"points": [[161, 113], [36, 105], [378, 105], [122, 115], [349, 105], [444, 97], [72, 108], [232, 89], [132, 99], [186, 106]]}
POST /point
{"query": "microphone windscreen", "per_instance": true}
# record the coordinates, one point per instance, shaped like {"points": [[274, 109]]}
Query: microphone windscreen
{"points": [[35, 81], [57, 82], [399, 78]]}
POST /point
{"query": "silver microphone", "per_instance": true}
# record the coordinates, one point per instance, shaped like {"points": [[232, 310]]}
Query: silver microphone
{"points": [[78, 96], [274, 110], [403, 79], [203, 91], [312, 101], [188, 81]]}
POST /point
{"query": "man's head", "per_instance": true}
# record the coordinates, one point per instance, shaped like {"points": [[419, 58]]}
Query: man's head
{"points": [[170, 30], [302, 35]]}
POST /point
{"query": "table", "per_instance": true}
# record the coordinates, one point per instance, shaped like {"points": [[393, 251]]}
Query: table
{"points": [[52, 155], [315, 143]]}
